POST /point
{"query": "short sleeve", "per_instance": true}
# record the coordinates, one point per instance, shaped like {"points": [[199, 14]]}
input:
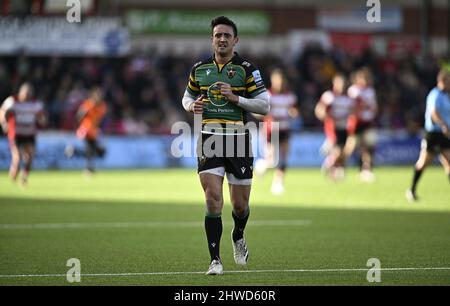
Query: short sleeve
{"points": [[193, 88], [438, 103], [8, 104]]}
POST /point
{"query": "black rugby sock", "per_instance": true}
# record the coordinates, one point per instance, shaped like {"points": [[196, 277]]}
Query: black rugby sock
{"points": [[213, 228], [239, 224], [417, 175]]}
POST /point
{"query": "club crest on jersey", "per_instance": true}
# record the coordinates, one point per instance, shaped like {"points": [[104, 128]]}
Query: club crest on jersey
{"points": [[231, 73]]}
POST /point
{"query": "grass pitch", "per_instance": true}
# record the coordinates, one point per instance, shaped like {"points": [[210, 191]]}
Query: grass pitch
{"points": [[146, 228]]}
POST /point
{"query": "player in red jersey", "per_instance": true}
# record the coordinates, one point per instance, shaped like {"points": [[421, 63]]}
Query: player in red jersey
{"points": [[366, 112], [20, 117], [335, 109]]}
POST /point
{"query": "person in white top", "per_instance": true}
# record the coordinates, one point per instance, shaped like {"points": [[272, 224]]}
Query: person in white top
{"points": [[335, 109], [283, 109], [20, 117], [366, 113]]}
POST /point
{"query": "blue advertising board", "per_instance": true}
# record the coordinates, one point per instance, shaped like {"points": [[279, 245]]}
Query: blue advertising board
{"points": [[157, 151]]}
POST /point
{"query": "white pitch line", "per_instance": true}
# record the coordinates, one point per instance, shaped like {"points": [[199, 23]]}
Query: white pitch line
{"points": [[230, 272], [156, 224]]}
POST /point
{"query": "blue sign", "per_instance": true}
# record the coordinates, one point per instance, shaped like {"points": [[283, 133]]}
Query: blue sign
{"points": [[156, 151], [397, 151], [121, 153]]}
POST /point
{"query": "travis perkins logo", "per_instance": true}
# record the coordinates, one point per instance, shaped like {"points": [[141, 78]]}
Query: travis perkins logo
{"points": [[231, 73]]}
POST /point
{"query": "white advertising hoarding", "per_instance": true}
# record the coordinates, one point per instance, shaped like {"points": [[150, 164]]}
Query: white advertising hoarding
{"points": [[100, 36]]}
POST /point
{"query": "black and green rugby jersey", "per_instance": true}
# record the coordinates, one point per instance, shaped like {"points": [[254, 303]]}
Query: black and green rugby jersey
{"points": [[244, 78]]}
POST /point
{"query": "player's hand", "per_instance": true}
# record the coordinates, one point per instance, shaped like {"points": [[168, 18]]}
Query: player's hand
{"points": [[225, 90], [197, 106]]}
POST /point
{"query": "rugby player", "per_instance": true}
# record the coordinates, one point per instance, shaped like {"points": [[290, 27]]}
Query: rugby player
{"points": [[20, 117], [366, 112], [437, 131], [90, 115], [223, 90], [335, 109], [283, 108]]}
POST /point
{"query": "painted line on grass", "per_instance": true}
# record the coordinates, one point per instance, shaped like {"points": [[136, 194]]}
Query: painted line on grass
{"points": [[152, 224], [230, 272]]}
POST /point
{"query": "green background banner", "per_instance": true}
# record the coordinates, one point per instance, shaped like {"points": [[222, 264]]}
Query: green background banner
{"points": [[194, 22]]}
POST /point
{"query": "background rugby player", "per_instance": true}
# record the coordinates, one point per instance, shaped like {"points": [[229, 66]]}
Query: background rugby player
{"points": [[366, 112], [20, 117], [283, 109], [90, 115], [437, 128], [335, 109]]}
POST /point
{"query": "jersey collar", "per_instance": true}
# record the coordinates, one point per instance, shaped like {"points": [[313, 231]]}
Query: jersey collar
{"points": [[230, 61]]}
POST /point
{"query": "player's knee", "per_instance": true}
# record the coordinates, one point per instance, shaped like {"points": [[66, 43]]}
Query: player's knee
{"points": [[427, 159], [15, 159], [213, 199], [421, 164], [26, 156], [240, 210], [240, 204]]}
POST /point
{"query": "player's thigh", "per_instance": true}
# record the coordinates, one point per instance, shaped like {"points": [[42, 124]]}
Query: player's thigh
{"points": [[270, 154], [284, 147], [370, 137], [90, 146], [350, 145], [26, 150], [338, 150], [341, 138], [30, 149], [425, 158], [239, 177], [15, 152], [212, 186], [22, 151]]}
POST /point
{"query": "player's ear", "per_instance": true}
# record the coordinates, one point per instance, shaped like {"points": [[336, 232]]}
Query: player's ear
{"points": [[236, 40]]}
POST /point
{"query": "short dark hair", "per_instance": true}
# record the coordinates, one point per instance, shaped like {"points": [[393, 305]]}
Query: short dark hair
{"points": [[444, 73], [226, 21]]}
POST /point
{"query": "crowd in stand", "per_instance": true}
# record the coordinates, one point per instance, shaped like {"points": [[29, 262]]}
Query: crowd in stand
{"points": [[144, 91]]}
